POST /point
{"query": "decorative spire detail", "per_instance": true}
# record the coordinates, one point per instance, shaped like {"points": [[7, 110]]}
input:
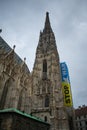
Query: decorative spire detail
{"points": [[14, 47], [0, 30], [47, 27], [24, 59]]}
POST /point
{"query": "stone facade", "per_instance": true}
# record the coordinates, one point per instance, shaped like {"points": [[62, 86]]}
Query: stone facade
{"points": [[40, 92], [15, 80]]}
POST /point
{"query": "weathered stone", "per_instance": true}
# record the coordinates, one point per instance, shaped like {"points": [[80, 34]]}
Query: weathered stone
{"points": [[39, 92]]}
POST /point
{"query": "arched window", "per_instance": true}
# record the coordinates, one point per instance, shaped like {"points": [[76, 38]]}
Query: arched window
{"points": [[46, 101], [44, 66], [21, 102], [44, 69], [4, 94]]}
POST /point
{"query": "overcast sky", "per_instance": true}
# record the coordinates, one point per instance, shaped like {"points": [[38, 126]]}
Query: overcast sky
{"points": [[22, 20]]}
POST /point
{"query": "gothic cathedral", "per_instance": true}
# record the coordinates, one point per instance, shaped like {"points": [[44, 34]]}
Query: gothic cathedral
{"points": [[38, 93]]}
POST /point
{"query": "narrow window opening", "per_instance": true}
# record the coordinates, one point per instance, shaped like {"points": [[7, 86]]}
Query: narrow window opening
{"points": [[4, 95], [44, 66], [45, 118], [46, 101], [44, 69]]}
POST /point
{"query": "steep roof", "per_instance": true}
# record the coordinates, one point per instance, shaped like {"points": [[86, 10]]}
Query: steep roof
{"points": [[6, 49]]}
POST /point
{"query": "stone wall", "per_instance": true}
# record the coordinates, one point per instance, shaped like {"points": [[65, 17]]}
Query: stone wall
{"points": [[15, 80]]}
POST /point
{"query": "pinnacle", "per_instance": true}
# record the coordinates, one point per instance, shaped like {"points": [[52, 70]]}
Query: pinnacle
{"points": [[47, 26]]}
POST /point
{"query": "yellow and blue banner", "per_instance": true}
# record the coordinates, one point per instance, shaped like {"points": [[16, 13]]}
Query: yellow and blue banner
{"points": [[66, 88]]}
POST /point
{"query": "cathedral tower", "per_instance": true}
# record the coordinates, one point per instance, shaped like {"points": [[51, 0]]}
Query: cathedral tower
{"points": [[47, 100]]}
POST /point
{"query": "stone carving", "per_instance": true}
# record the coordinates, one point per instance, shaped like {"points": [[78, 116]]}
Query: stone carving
{"points": [[39, 92]]}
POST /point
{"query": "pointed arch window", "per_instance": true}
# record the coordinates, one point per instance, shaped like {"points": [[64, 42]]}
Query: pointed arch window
{"points": [[44, 69], [4, 94], [44, 66], [21, 102]]}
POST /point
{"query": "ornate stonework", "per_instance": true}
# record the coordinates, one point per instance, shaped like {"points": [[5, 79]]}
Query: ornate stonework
{"points": [[38, 93], [47, 90]]}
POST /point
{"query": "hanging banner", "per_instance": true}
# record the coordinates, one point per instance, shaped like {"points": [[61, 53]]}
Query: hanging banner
{"points": [[64, 72], [66, 88], [67, 94]]}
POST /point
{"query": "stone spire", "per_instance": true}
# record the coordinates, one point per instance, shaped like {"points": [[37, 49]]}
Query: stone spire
{"points": [[46, 39], [47, 27]]}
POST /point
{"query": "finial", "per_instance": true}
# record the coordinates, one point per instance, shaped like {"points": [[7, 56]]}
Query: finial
{"points": [[47, 13], [0, 30], [47, 18], [14, 47], [47, 26], [24, 59]]}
